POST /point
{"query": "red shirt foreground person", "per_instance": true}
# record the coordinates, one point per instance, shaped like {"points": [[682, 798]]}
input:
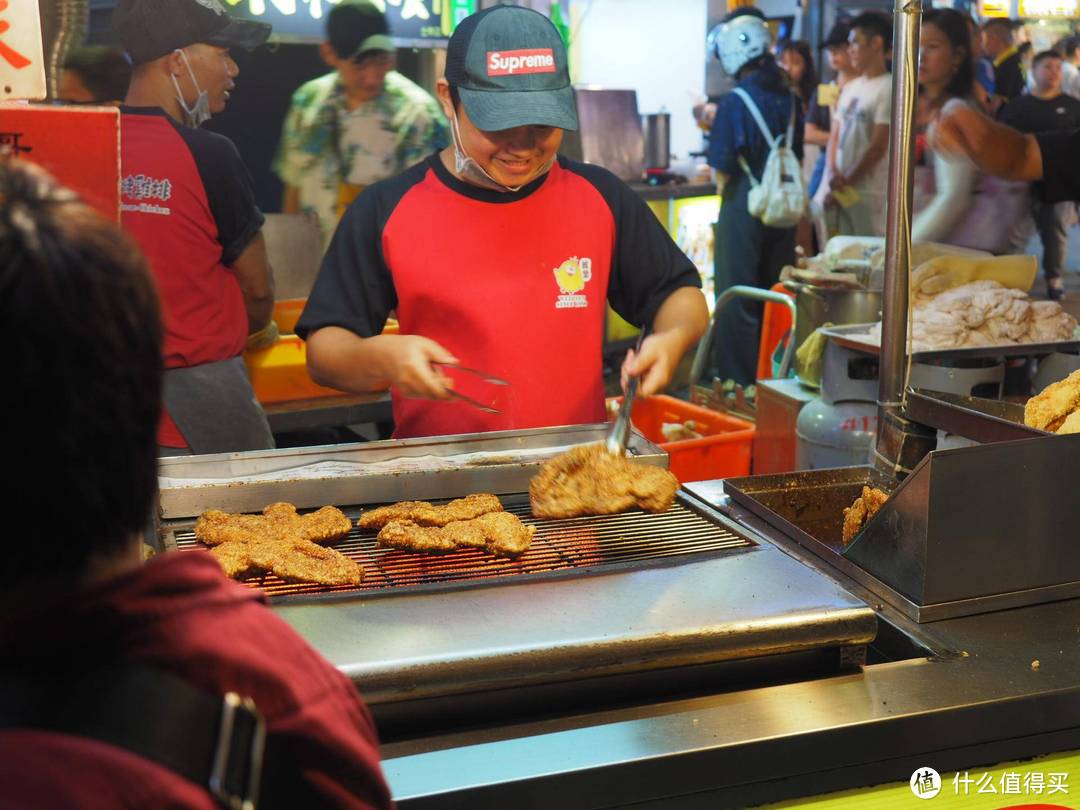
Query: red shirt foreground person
{"points": [[79, 602]]}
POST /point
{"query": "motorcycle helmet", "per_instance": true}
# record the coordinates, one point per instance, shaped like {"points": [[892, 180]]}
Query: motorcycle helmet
{"points": [[738, 41]]}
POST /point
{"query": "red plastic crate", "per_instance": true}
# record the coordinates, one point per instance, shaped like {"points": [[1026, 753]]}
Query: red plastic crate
{"points": [[723, 451]]}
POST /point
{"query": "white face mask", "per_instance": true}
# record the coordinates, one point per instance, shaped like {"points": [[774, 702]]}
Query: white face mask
{"points": [[471, 171], [199, 113]]}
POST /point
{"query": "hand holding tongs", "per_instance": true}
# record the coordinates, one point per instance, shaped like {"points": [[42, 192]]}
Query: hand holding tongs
{"points": [[483, 375], [619, 433]]}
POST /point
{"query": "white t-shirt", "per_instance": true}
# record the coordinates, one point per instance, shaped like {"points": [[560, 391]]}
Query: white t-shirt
{"points": [[864, 103]]}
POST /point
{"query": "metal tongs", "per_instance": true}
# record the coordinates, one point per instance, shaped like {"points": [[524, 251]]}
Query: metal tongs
{"points": [[483, 375], [619, 433]]}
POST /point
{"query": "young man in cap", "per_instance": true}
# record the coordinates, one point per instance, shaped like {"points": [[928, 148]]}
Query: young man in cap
{"points": [[362, 123], [158, 644], [500, 253], [187, 199]]}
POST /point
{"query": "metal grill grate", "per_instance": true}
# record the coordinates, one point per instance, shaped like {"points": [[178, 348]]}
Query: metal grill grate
{"points": [[559, 545]]}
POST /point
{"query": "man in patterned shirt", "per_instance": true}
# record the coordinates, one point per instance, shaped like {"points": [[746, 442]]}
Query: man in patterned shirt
{"points": [[361, 123]]}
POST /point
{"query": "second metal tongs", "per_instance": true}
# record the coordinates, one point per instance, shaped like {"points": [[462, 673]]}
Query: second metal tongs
{"points": [[619, 433]]}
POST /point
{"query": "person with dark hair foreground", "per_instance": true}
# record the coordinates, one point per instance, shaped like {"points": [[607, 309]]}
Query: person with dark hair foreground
{"points": [[501, 253], [80, 415], [94, 74]]}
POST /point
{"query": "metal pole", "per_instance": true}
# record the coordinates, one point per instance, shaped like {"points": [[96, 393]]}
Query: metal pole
{"points": [[894, 450]]}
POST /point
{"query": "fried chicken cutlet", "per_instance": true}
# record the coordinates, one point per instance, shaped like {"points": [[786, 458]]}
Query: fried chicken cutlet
{"points": [[501, 533], [423, 513], [588, 480], [859, 513], [281, 541]]}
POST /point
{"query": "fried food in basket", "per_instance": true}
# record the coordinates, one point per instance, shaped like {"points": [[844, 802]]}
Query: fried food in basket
{"points": [[859, 513], [501, 533], [423, 513], [281, 541], [588, 480], [1057, 408]]}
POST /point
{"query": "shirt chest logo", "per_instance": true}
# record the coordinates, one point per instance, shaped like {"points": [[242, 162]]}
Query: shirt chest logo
{"points": [[571, 276]]}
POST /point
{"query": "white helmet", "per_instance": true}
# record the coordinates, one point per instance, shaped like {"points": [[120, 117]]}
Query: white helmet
{"points": [[738, 41]]}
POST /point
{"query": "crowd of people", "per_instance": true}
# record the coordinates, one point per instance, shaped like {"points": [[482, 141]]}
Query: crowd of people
{"points": [[847, 118]]}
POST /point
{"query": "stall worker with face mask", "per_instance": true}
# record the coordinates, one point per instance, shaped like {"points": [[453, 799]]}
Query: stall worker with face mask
{"points": [[498, 254], [187, 199]]}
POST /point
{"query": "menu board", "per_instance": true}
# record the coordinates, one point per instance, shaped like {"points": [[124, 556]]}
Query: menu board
{"points": [[412, 22]]}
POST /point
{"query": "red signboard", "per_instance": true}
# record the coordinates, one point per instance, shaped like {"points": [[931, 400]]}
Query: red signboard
{"points": [[79, 146]]}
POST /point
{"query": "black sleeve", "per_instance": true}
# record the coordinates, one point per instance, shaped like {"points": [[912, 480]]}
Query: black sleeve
{"points": [[646, 265], [1012, 114], [800, 129], [1061, 170], [229, 191], [817, 114], [1008, 79], [355, 288]]}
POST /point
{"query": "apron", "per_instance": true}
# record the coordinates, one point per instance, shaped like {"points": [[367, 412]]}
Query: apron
{"points": [[215, 408]]}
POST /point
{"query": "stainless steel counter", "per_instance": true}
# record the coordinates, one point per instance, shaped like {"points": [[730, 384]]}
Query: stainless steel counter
{"points": [[977, 698]]}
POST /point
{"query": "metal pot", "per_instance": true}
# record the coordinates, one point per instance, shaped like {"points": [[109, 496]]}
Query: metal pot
{"points": [[657, 128], [817, 306]]}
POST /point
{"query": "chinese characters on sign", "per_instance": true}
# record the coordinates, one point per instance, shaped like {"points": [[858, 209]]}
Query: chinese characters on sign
{"points": [[1011, 783], [409, 19], [10, 146], [22, 69]]}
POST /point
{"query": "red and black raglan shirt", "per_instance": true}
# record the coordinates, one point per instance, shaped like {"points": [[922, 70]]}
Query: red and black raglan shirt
{"points": [[187, 199], [513, 284]]}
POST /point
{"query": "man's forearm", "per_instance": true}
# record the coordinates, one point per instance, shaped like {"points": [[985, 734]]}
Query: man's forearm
{"points": [[338, 358], [260, 310], [683, 317], [871, 157]]}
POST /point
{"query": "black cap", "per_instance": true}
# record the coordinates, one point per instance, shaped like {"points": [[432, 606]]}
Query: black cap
{"points": [[509, 66], [838, 35], [354, 27], [150, 29]]}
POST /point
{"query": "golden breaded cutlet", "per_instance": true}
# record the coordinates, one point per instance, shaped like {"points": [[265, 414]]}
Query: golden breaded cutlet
{"points": [[423, 513], [281, 541], [1049, 409], [501, 533]]}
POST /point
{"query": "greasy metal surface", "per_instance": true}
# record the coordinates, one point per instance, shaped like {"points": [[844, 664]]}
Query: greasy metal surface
{"points": [[982, 420], [308, 414], [372, 472], [558, 546], [978, 700], [947, 542], [952, 532], [503, 635]]}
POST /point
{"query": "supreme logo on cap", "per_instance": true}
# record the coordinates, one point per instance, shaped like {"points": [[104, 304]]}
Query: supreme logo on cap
{"points": [[532, 60]]}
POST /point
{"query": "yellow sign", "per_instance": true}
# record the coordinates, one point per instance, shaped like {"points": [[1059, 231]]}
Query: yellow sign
{"points": [[994, 8], [1049, 8]]}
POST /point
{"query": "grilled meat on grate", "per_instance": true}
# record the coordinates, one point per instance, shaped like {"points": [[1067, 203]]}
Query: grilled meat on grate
{"points": [[588, 480], [423, 513], [859, 513], [500, 533], [281, 541]]}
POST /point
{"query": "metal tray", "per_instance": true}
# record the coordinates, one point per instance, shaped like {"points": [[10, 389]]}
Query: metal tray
{"points": [[373, 472], [975, 418], [856, 337]]}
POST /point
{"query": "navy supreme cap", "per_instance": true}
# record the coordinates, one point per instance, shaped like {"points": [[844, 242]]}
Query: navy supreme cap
{"points": [[149, 29], [508, 64]]}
